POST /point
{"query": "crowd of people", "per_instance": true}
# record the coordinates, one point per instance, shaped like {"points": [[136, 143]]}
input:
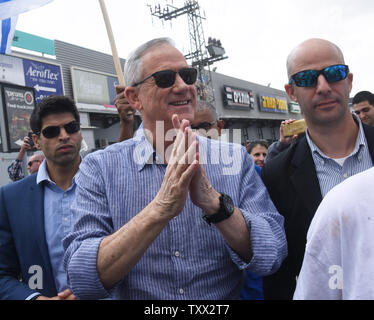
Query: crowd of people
{"points": [[173, 212]]}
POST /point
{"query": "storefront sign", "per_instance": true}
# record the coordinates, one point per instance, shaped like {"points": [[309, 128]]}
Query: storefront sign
{"points": [[294, 107], [45, 78], [112, 83], [18, 104], [11, 70], [236, 97], [270, 103], [94, 91]]}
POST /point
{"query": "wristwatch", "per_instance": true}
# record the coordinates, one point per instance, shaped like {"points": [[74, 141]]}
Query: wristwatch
{"points": [[226, 209]]}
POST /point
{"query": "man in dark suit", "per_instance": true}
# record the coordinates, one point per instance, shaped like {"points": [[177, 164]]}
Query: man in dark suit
{"points": [[35, 211], [337, 145]]}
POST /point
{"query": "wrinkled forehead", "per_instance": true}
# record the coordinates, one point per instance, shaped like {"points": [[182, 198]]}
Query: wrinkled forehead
{"points": [[162, 57], [316, 55]]}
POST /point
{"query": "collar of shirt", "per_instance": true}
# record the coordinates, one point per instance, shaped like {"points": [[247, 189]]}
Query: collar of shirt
{"points": [[360, 141], [144, 152], [42, 175]]}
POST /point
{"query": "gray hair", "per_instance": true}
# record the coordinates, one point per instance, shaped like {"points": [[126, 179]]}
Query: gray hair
{"points": [[204, 105], [133, 67], [37, 156]]}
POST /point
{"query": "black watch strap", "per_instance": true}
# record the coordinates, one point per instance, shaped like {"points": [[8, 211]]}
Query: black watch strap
{"points": [[226, 209]]}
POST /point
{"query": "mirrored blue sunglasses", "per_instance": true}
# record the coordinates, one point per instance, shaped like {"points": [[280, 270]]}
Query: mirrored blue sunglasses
{"points": [[308, 78]]}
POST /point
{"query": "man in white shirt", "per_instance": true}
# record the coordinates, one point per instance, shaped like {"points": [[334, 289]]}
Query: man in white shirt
{"points": [[338, 261]]}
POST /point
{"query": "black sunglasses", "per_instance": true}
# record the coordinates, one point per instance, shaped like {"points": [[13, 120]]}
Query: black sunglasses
{"points": [[166, 78], [31, 162], [203, 125], [53, 131], [308, 78]]}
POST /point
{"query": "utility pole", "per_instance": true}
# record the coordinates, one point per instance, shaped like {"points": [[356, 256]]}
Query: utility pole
{"points": [[200, 55]]}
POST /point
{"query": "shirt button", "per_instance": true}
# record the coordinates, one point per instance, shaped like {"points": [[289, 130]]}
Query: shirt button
{"points": [[345, 175], [65, 195], [177, 254], [181, 291], [66, 219]]}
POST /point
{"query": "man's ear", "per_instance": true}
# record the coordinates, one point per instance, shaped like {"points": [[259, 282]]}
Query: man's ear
{"points": [[36, 138], [350, 80], [220, 125], [132, 96], [290, 89]]}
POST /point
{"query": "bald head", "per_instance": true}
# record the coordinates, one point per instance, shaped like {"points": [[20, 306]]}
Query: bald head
{"points": [[324, 101], [313, 52]]}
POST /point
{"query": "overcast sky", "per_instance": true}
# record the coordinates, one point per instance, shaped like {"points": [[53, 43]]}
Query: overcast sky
{"points": [[257, 35]]}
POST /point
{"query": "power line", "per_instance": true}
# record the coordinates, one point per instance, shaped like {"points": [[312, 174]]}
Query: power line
{"points": [[200, 55]]}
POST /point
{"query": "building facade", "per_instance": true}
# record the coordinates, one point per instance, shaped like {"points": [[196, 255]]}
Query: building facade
{"points": [[257, 110]]}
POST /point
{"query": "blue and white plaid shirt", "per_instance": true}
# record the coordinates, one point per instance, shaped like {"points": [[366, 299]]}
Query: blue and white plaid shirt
{"points": [[15, 170], [189, 259]]}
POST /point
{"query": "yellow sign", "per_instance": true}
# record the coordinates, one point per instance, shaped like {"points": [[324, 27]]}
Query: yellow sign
{"points": [[273, 104]]}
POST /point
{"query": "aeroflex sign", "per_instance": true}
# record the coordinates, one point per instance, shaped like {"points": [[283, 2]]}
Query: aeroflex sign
{"points": [[41, 73], [45, 78]]}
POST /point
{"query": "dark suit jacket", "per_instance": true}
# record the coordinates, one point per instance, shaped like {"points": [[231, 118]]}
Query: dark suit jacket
{"points": [[292, 182], [22, 240]]}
